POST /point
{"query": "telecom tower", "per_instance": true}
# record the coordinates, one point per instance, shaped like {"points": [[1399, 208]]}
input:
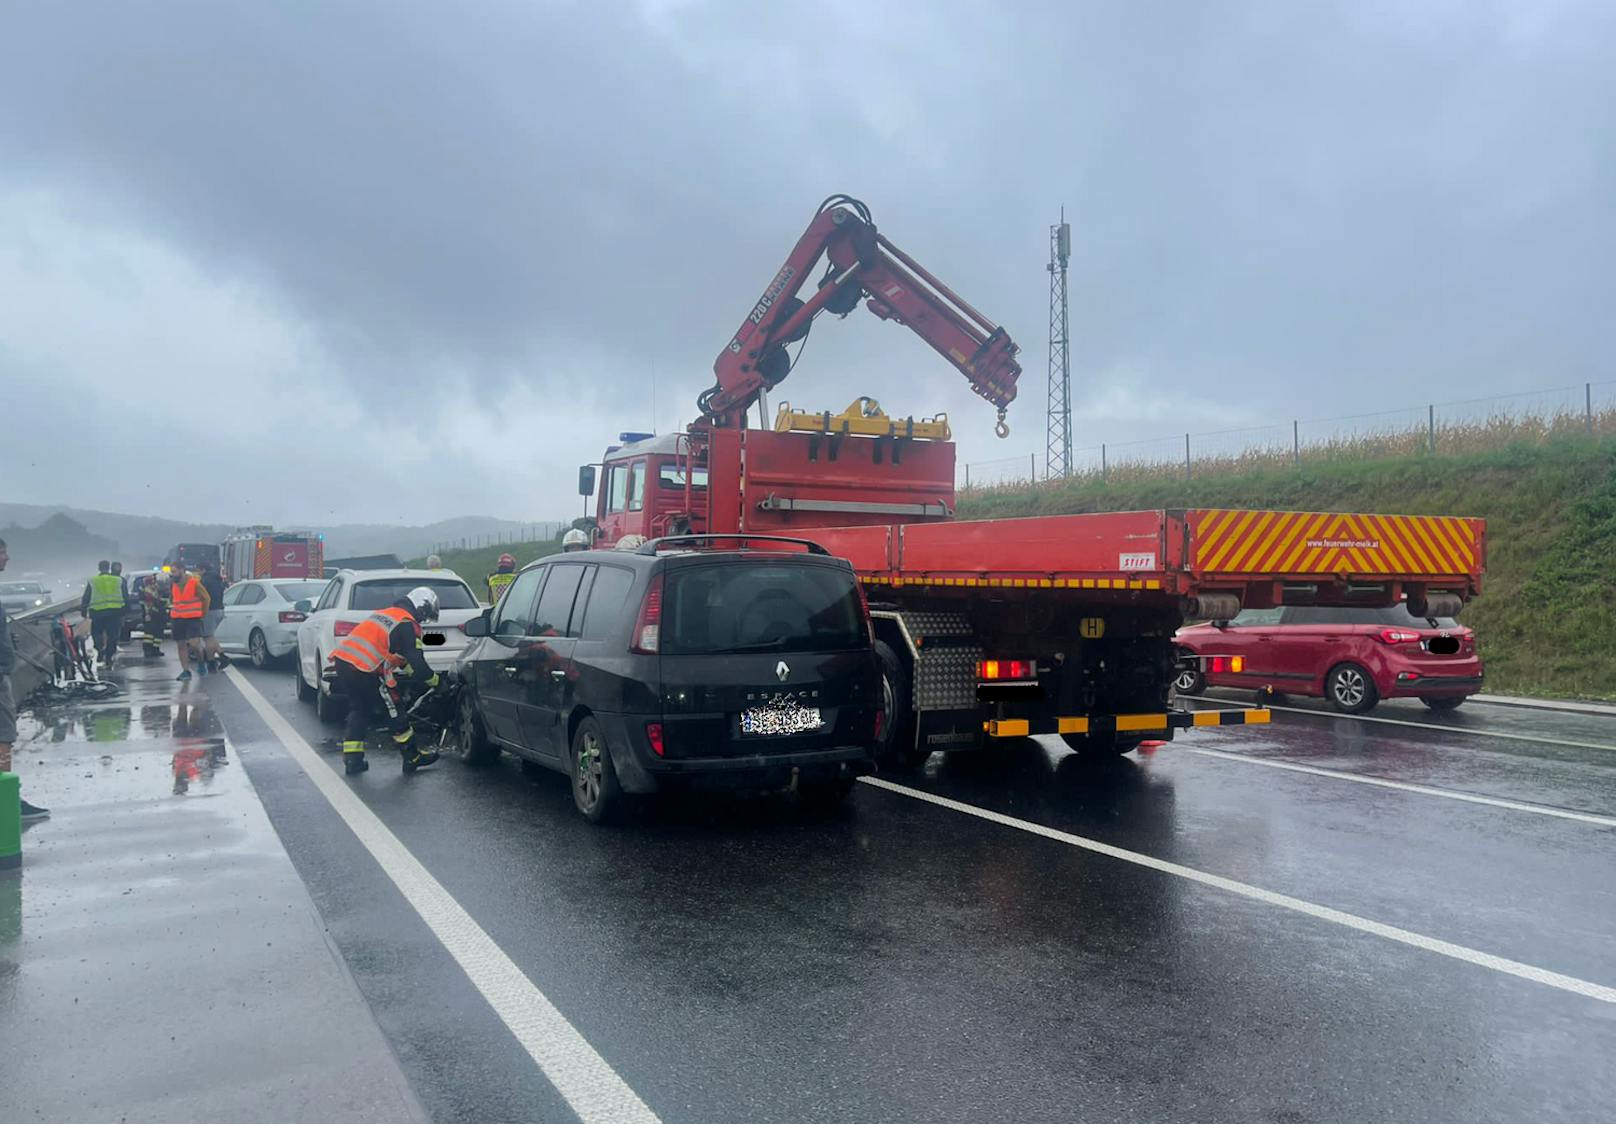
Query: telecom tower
{"points": [[1058, 446]]}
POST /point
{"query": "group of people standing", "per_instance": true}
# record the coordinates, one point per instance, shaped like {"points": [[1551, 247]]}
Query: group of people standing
{"points": [[191, 604]]}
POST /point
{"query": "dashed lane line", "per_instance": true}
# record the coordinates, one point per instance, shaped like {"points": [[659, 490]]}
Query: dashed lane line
{"points": [[1256, 893], [1403, 786], [584, 1078], [1416, 725]]}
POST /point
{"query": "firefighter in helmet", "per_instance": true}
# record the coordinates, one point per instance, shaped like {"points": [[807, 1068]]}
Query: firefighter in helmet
{"points": [[382, 649], [574, 540], [504, 574]]}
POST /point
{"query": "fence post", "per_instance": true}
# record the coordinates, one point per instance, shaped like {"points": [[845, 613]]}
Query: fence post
{"points": [[1103, 477], [1186, 456], [967, 476], [1430, 428], [1588, 406], [1032, 467], [1296, 443]]}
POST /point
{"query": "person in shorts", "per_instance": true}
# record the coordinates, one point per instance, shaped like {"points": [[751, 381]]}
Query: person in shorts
{"points": [[187, 604], [213, 582]]}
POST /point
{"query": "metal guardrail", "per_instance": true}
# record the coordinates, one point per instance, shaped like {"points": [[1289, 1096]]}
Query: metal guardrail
{"points": [[30, 632]]}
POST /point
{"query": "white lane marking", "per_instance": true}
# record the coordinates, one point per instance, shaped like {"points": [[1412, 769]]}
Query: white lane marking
{"points": [[1416, 725], [1424, 790], [1256, 893], [590, 1085]]}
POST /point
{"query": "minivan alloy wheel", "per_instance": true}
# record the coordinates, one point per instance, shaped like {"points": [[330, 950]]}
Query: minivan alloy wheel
{"points": [[588, 774]]}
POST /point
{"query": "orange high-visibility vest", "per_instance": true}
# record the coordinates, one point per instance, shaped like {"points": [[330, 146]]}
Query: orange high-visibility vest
{"points": [[369, 646], [187, 600]]}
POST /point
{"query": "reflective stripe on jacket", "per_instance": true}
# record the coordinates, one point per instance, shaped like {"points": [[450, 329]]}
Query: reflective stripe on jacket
{"points": [[369, 646], [497, 583], [186, 602], [106, 592]]}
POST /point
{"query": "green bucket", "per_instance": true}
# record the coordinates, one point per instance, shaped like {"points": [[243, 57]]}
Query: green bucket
{"points": [[10, 821]]}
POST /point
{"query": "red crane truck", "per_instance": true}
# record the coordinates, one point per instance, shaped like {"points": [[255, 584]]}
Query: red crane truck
{"points": [[1005, 627]]}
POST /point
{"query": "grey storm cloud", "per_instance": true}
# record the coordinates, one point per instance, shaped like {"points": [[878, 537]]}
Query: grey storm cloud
{"points": [[1268, 199]]}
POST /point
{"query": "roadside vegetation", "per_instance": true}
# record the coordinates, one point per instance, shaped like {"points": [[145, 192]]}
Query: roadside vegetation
{"points": [[1545, 621], [476, 564]]}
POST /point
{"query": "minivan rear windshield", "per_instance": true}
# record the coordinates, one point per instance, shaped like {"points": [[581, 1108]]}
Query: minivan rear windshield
{"points": [[383, 592], [760, 607]]}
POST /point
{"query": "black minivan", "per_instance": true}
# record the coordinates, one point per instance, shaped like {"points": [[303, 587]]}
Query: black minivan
{"points": [[713, 660]]}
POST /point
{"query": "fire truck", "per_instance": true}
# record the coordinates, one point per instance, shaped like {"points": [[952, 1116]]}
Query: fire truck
{"points": [[998, 628], [263, 552]]}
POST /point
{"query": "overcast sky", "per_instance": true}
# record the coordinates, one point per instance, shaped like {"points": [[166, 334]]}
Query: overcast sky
{"points": [[315, 262]]}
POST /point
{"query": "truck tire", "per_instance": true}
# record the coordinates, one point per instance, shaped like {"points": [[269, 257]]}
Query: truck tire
{"points": [[897, 748], [1097, 746], [1350, 690]]}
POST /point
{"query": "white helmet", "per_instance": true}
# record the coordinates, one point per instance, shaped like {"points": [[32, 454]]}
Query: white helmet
{"points": [[574, 540], [631, 542], [425, 602]]}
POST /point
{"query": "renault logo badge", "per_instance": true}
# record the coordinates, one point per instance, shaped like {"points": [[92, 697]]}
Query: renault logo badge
{"points": [[782, 671]]}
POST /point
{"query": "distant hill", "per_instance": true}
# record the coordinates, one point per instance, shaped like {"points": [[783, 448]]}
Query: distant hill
{"points": [[142, 540]]}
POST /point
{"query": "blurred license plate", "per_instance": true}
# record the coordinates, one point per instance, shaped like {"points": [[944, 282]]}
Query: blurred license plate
{"points": [[789, 719]]}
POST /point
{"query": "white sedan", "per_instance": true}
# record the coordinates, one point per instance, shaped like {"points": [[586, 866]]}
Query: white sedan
{"points": [[351, 596], [261, 617]]}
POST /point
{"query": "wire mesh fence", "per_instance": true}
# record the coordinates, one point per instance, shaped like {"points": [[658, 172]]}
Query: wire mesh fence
{"points": [[1435, 429]]}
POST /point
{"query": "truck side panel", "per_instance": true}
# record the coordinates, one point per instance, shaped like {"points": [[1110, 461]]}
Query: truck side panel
{"points": [[1227, 544]]}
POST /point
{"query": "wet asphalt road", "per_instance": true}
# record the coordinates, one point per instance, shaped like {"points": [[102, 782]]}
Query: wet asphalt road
{"points": [[746, 961]]}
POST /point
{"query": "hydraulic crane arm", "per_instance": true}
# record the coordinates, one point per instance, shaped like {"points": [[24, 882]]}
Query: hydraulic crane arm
{"points": [[862, 264]]}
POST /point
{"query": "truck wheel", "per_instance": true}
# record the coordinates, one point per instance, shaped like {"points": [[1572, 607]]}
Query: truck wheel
{"points": [[897, 746], [471, 740], [1096, 746], [1189, 682], [258, 649], [305, 693], [1350, 690]]}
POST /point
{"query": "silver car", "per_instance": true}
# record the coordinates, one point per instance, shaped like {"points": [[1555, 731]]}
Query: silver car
{"points": [[261, 617], [20, 597]]}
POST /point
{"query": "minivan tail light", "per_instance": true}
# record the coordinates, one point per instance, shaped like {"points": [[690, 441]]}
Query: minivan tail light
{"points": [[648, 626], [292, 616], [1398, 636], [653, 734], [342, 628], [864, 607]]}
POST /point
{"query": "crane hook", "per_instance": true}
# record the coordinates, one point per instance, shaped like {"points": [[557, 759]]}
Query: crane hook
{"points": [[1000, 428]]}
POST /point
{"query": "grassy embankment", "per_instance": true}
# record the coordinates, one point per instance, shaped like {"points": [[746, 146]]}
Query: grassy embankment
{"points": [[476, 564], [1545, 621]]}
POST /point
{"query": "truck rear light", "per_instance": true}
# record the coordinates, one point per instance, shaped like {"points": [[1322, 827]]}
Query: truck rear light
{"points": [[864, 607], [292, 616], [648, 627], [653, 734], [1226, 665], [998, 670], [1398, 636], [342, 628]]}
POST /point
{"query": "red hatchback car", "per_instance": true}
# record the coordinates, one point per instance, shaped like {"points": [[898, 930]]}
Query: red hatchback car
{"points": [[1354, 657]]}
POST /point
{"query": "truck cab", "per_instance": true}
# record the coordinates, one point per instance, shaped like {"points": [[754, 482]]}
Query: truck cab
{"points": [[647, 487]]}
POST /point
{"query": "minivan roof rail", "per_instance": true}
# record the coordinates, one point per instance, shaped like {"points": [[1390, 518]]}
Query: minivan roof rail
{"points": [[655, 545]]}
